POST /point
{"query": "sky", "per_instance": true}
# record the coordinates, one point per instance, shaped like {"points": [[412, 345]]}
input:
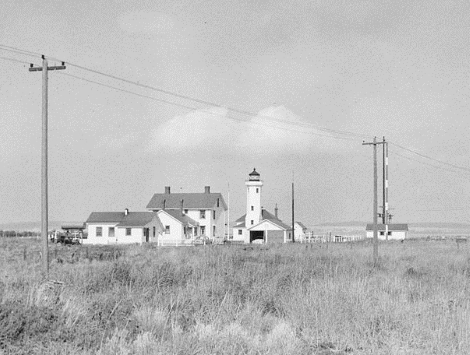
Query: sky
{"points": [[291, 88]]}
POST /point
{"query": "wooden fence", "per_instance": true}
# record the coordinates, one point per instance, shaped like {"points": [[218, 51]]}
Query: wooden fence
{"points": [[310, 237]]}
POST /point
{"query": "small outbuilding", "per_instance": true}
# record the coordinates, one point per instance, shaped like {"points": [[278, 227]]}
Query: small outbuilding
{"points": [[388, 231]]}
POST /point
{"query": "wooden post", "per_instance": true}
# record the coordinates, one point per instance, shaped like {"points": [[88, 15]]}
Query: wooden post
{"points": [[44, 196], [375, 211], [376, 237]]}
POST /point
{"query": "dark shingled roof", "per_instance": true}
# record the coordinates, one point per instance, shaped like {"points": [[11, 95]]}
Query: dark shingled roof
{"points": [[133, 219], [190, 201], [254, 173], [391, 227], [265, 215], [181, 217]]}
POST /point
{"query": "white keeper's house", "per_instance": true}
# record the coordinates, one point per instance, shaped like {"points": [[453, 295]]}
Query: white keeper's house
{"points": [[186, 216], [123, 228], [394, 231], [258, 225]]}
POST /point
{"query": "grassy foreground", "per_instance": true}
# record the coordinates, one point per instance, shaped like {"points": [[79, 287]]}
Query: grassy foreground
{"points": [[287, 299]]}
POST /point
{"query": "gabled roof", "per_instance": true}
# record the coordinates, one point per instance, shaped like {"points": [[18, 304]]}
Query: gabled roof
{"points": [[190, 201], [265, 215], [241, 219], [391, 227], [301, 225], [137, 219], [184, 219], [105, 217], [260, 226], [133, 219]]}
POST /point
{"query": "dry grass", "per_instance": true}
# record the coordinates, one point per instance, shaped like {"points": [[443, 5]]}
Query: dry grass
{"points": [[288, 299]]}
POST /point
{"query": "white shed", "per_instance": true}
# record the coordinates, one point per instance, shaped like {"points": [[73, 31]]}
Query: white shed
{"points": [[388, 231]]}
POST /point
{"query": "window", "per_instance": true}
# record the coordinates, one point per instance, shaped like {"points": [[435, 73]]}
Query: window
{"points": [[167, 229], [218, 202], [202, 214], [185, 211], [257, 190], [213, 214], [252, 208], [99, 231], [111, 232], [240, 232], [203, 230], [382, 233], [154, 231], [389, 233], [128, 232], [213, 231], [252, 222], [195, 231]]}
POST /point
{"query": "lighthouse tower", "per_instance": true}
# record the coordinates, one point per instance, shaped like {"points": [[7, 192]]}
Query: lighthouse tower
{"points": [[253, 199]]}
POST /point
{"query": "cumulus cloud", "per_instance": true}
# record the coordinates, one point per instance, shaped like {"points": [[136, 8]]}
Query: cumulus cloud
{"points": [[274, 130], [146, 22]]}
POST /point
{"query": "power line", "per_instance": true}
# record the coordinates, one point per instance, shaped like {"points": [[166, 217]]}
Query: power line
{"points": [[209, 103], [14, 60], [130, 92], [427, 157], [206, 111], [186, 97], [462, 173], [20, 51]]}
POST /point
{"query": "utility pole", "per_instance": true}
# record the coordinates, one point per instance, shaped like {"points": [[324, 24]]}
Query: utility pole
{"points": [[293, 229], [385, 186], [376, 237], [228, 212], [44, 195]]}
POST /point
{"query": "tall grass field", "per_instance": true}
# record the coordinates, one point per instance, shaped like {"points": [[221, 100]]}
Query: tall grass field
{"points": [[285, 299]]}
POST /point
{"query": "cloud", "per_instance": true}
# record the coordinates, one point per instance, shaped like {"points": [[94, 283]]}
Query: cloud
{"points": [[273, 131], [146, 22]]}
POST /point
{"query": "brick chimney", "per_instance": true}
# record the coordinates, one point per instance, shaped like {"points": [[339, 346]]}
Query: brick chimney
{"points": [[276, 211], [126, 212], [207, 189], [167, 189], [182, 207]]}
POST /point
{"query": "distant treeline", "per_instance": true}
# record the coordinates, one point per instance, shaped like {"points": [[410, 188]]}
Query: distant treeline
{"points": [[7, 234]]}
